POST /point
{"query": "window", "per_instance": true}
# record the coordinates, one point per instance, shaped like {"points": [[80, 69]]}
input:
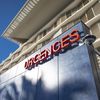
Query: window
{"points": [[68, 14], [47, 41], [58, 21], [49, 29], [85, 1], [84, 18], [98, 49], [98, 59], [96, 30], [63, 17], [44, 33], [74, 10], [64, 28], [90, 14], [96, 8], [79, 6], [55, 24], [39, 37], [39, 46]]}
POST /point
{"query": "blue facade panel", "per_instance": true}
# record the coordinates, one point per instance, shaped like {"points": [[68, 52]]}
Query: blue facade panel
{"points": [[66, 76], [76, 80]]}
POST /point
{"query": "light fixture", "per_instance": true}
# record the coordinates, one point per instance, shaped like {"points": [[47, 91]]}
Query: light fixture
{"points": [[88, 40]]}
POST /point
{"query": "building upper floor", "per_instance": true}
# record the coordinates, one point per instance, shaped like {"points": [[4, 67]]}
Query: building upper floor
{"points": [[36, 24]]}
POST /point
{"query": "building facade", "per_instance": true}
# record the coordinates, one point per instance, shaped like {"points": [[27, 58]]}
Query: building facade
{"points": [[41, 21], [63, 69]]}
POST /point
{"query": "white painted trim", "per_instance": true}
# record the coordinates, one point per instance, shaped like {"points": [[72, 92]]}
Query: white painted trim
{"points": [[97, 43], [93, 20]]}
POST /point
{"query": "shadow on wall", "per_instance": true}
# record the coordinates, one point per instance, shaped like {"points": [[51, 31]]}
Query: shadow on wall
{"points": [[30, 91]]}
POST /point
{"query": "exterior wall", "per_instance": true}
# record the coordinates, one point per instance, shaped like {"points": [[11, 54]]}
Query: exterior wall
{"points": [[68, 75], [85, 17]]}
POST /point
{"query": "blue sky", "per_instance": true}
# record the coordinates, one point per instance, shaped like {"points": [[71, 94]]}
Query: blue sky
{"points": [[8, 9]]}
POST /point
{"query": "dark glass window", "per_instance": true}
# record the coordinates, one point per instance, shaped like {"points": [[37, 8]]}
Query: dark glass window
{"points": [[96, 30], [84, 18], [90, 14], [96, 8], [63, 17], [85, 1]]}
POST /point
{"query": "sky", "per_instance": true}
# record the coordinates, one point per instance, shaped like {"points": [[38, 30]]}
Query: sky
{"points": [[8, 10]]}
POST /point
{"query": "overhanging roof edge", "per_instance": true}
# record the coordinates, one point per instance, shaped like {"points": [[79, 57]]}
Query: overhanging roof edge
{"points": [[3, 34]]}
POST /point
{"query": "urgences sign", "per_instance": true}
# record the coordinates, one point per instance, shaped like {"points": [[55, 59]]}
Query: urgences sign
{"points": [[55, 48]]}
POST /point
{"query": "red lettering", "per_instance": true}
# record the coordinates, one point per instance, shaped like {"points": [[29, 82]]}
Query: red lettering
{"points": [[26, 65], [74, 36], [51, 50], [29, 63], [44, 55], [65, 41], [36, 59], [56, 47]]}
